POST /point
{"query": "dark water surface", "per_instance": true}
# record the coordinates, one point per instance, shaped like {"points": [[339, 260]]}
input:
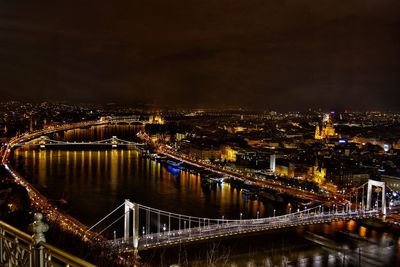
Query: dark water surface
{"points": [[95, 181]]}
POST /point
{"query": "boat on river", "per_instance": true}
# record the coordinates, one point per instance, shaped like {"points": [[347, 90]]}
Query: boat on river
{"points": [[175, 164]]}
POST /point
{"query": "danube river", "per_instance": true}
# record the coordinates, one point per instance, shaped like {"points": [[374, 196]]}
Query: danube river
{"points": [[89, 183]]}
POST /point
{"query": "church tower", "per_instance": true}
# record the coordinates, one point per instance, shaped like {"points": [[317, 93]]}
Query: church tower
{"points": [[318, 132], [326, 130]]}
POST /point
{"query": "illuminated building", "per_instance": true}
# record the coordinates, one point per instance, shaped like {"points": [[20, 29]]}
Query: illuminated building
{"points": [[205, 152], [235, 129], [317, 173], [285, 169], [180, 136], [326, 129], [229, 154], [157, 119]]}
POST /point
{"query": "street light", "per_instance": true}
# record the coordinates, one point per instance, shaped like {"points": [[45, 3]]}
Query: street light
{"points": [[241, 214], [274, 212], [258, 214]]}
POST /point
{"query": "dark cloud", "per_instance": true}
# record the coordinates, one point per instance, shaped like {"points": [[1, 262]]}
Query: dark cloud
{"points": [[265, 54]]}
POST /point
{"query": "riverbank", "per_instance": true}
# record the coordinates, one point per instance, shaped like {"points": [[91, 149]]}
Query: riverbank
{"points": [[17, 209]]}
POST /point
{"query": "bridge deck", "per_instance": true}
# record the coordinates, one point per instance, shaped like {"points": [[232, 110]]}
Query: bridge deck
{"points": [[222, 230]]}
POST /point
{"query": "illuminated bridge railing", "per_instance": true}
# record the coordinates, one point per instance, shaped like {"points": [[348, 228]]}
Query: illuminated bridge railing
{"points": [[149, 227], [44, 141], [18, 249], [244, 227]]}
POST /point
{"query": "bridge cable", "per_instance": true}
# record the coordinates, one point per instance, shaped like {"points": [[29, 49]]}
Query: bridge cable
{"points": [[111, 224], [105, 217]]}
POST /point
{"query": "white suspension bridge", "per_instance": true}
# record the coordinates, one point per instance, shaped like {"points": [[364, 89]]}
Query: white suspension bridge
{"points": [[146, 227]]}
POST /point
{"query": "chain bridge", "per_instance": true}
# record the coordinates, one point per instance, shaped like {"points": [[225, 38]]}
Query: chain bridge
{"points": [[44, 141]]}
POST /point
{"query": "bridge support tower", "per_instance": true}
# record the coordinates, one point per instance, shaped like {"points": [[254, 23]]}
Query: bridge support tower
{"points": [[114, 142], [43, 141], [129, 206], [383, 194]]}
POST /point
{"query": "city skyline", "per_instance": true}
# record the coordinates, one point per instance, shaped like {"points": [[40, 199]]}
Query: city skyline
{"points": [[200, 133]]}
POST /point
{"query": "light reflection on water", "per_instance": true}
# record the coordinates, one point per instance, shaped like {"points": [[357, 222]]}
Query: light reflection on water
{"points": [[362, 231], [95, 182]]}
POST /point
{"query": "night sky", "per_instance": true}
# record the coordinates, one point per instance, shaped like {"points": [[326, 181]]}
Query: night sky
{"points": [[284, 55]]}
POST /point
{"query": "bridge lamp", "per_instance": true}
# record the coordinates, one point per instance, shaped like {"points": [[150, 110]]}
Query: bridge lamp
{"points": [[241, 214]]}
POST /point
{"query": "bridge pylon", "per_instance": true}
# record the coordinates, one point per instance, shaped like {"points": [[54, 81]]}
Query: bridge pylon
{"points": [[130, 206], [43, 141], [383, 194], [114, 141]]}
